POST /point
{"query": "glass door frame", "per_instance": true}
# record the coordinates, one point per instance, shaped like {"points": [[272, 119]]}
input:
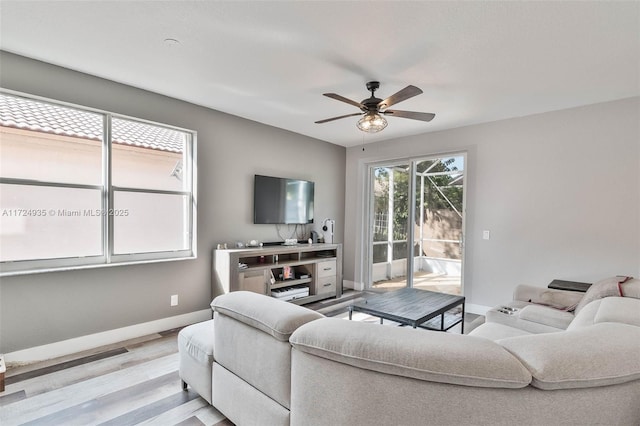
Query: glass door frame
{"points": [[369, 218]]}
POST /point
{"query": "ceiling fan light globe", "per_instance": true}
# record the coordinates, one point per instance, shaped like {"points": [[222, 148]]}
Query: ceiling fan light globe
{"points": [[372, 123]]}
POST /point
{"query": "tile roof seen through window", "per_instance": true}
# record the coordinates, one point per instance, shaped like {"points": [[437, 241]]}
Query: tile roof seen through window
{"points": [[27, 114]]}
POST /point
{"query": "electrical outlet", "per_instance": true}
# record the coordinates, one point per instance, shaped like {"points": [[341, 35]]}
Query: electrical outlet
{"points": [[174, 300]]}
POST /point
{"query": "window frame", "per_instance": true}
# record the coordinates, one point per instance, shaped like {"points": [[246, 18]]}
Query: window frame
{"points": [[108, 258]]}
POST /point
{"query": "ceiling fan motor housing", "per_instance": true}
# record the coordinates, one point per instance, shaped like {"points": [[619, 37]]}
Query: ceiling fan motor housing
{"points": [[372, 86], [371, 104]]}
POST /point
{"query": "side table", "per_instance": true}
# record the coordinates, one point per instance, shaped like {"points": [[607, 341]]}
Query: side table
{"points": [[569, 285]]}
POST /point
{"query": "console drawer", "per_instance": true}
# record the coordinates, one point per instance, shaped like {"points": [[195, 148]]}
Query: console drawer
{"points": [[253, 281], [327, 269], [326, 285]]}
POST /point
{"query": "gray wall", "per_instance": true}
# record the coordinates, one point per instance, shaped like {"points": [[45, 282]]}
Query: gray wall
{"points": [[560, 193], [44, 308]]}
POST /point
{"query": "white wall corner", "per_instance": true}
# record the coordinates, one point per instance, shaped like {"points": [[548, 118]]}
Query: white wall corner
{"points": [[91, 341], [353, 285]]}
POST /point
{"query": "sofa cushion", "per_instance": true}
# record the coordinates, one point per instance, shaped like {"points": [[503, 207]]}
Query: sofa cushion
{"points": [[196, 340], [600, 355], [631, 288], [559, 299], [546, 316], [195, 346], [586, 316], [496, 331], [601, 289], [419, 354], [624, 310], [536, 318], [274, 317]]}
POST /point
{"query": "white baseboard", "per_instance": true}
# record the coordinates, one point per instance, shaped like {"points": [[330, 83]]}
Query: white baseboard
{"points": [[83, 343], [476, 309]]}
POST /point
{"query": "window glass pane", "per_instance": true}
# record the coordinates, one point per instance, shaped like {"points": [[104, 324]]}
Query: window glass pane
{"points": [[146, 222], [52, 184], [400, 203], [381, 204], [400, 250], [39, 222], [47, 142], [443, 185], [380, 253], [148, 156]]}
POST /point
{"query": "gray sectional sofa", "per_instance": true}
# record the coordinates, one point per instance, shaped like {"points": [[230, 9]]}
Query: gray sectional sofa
{"points": [[275, 363]]}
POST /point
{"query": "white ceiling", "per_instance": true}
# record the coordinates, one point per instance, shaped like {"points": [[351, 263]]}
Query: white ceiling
{"points": [[271, 61]]}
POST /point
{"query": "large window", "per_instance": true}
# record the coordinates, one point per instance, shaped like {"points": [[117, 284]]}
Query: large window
{"points": [[81, 187]]}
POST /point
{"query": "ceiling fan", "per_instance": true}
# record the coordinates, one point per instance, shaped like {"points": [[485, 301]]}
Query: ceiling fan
{"points": [[372, 107]]}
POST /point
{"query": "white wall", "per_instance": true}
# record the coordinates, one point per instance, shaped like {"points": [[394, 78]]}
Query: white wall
{"points": [[560, 193], [43, 308]]}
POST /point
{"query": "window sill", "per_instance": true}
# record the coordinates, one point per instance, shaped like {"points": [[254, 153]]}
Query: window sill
{"points": [[91, 266]]}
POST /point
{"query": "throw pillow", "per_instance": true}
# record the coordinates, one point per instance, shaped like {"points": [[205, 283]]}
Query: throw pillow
{"points": [[603, 288], [631, 288]]}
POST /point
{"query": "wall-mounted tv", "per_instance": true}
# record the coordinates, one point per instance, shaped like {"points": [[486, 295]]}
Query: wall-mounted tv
{"points": [[282, 201]]}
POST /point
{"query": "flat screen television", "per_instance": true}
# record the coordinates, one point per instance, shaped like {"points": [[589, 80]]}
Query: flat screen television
{"points": [[282, 201]]}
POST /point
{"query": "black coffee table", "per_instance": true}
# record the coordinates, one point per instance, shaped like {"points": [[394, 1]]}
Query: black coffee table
{"points": [[414, 307]]}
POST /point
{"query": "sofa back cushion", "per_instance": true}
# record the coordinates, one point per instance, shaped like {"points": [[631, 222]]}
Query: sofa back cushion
{"points": [[558, 299], [275, 317], [586, 316], [600, 355], [546, 316], [631, 288], [418, 354], [608, 287], [625, 310]]}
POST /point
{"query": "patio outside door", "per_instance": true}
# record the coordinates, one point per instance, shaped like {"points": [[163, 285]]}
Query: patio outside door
{"points": [[389, 225], [428, 253]]}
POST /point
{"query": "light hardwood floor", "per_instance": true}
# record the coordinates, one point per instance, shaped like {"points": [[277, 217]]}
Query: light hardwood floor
{"points": [[133, 382]]}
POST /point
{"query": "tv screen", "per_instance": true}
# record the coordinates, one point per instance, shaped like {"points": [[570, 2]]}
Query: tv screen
{"points": [[282, 201]]}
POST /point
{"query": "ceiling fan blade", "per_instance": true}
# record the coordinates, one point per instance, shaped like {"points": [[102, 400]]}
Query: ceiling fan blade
{"points": [[338, 118], [343, 99], [403, 95], [422, 116]]}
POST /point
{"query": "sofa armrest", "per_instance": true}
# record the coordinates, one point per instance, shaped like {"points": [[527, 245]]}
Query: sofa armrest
{"points": [[559, 299], [418, 354], [275, 317]]}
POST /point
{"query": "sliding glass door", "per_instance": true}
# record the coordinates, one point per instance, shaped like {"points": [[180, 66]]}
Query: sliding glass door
{"points": [[416, 218]]}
